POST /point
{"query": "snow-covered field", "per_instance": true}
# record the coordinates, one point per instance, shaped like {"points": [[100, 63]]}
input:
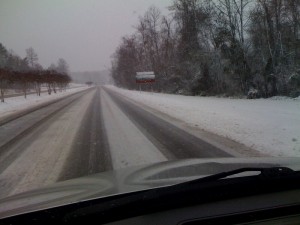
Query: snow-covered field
{"points": [[271, 126], [19, 103], [8, 92]]}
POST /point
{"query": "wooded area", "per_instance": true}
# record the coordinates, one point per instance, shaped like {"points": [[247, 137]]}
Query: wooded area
{"points": [[222, 47], [25, 74]]}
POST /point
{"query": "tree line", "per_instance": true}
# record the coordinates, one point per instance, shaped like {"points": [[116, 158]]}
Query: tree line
{"points": [[204, 47], [25, 74]]}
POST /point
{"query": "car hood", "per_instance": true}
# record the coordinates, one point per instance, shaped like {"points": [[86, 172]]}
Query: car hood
{"points": [[130, 180]]}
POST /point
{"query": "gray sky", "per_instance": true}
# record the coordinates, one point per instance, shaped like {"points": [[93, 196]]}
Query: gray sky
{"points": [[84, 32]]}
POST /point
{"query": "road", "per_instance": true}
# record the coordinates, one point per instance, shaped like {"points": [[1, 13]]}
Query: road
{"points": [[88, 132]]}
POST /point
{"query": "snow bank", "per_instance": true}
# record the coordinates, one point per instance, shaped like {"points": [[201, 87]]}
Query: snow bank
{"points": [[269, 126], [19, 103]]}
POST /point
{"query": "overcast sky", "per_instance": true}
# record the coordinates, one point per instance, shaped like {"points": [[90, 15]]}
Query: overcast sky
{"points": [[84, 32]]}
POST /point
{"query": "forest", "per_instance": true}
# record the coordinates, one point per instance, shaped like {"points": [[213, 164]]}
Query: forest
{"points": [[223, 47]]}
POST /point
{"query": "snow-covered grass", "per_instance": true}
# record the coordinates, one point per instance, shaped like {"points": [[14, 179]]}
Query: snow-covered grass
{"points": [[8, 92], [19, 103], [271, 126]]}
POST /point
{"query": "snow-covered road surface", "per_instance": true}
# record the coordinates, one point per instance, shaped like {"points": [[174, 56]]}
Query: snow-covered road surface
{"points": [[270, 126], [100, 129], [19, 103], [89, 132], [128, 146], [45, 156], [36, 156]]}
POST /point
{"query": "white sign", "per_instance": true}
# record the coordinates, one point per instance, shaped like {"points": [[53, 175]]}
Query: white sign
{"points": [[145, 77]]}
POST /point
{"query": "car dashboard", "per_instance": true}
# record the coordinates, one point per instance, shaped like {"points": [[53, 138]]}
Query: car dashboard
{"points": [[275, 208]]}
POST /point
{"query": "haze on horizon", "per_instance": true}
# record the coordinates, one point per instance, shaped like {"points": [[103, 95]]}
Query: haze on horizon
{"points": [[83, 32]]}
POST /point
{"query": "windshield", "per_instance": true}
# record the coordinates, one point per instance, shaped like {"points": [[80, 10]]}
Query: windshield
{"points": [[91, 86]]}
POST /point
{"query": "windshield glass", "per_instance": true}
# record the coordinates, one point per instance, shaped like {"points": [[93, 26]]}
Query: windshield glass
{"points": [[91, 86]]}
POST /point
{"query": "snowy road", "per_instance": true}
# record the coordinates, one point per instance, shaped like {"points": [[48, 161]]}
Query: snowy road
{"points": [[89, 132], [269, 126]]}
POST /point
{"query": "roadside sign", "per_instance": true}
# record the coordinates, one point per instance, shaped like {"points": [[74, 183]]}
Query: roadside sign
{"points": [[145, 77]]}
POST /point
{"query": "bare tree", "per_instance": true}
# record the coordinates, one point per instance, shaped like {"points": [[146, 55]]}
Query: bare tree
{"points": [[4, 79], [31, 57], [3, 56], [148, 33], [37, 79], [62, 66]]}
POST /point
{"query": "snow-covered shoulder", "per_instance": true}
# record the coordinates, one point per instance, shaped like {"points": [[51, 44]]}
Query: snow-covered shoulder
{"points": [[271, 126]]}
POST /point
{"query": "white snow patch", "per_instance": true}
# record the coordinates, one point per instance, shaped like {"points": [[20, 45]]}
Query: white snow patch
{"points": [[271, 127]]}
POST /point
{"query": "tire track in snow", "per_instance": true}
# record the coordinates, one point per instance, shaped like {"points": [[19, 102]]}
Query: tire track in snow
{"points": [[172, 141], [90, 151], [44, 150], [14, 131], [128, 145]]}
